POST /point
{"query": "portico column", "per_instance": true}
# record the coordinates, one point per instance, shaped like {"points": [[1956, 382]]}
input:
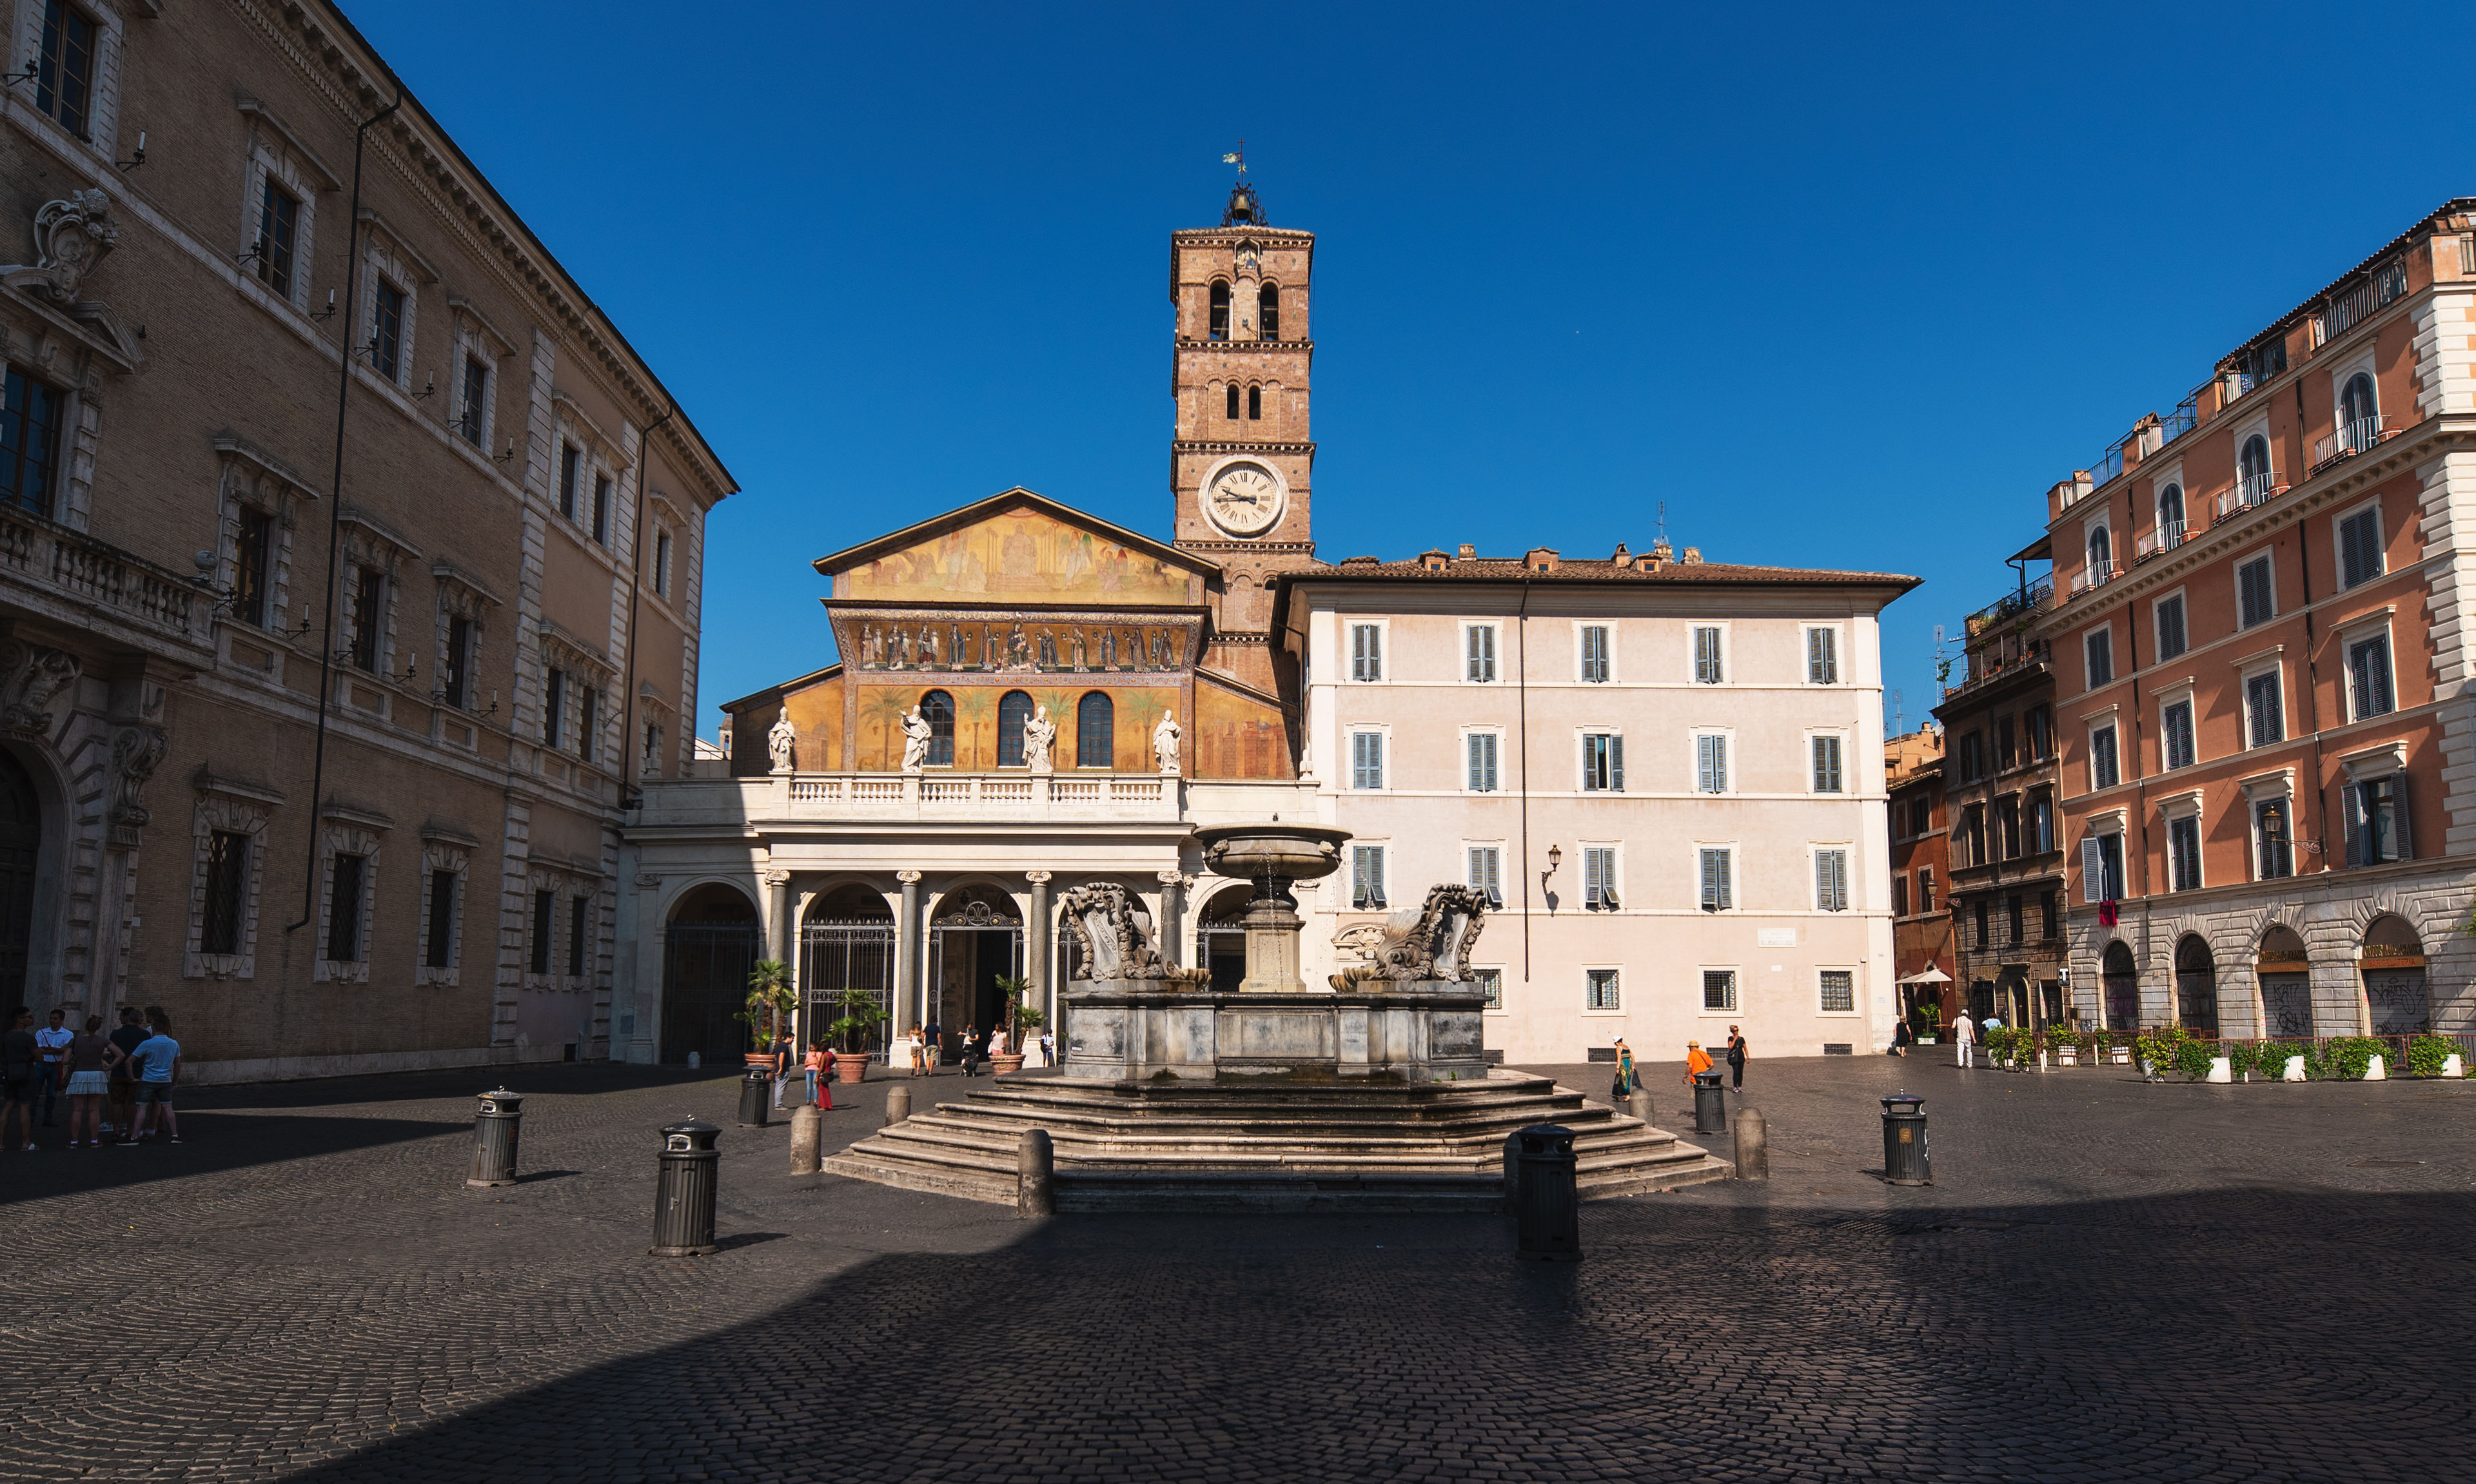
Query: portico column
{"points": [[1036, 952], [1170, 883], [906, 959], [778, 907]]}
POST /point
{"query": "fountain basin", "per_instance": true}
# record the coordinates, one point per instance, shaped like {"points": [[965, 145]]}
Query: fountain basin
{"points": [[1425, 1030]]}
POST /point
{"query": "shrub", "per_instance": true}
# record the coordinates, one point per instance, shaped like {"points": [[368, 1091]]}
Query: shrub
{"points": [[2349, 1056], [2426, 1053], [2162, 1050], [2192, 1058]]}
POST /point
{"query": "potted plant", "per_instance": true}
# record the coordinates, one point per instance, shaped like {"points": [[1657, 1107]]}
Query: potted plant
{"points": [[1020, 1017], [1929, 1016], [769, 999], [860, 1014]]}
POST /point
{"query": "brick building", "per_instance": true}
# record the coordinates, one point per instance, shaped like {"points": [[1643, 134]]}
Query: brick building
{"points": [[331, 775], [2263, 671], [1922, 964]]}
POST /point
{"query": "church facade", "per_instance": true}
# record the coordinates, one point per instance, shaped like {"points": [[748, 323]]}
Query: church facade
{"points": [[1028, 699]]}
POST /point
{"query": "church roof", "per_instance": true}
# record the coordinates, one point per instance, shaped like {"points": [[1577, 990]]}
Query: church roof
{"points": [[1017, 498]]}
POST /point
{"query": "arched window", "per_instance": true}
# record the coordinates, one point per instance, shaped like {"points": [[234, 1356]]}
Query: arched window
{"points": [[2101, 554], [1254, 404], [2170, 515], [1233, 402], [1220, 309], [2360, 418], [1096, 741], [1268, 312], [2196, 985], [938, 708], [2253, 473], [1014, 709]]}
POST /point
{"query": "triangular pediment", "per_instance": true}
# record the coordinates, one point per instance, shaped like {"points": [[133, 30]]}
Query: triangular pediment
{"points": [[1021, 547]]}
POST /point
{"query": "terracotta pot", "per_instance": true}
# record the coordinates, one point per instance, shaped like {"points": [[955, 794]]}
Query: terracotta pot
{"points": [[1007, 1061], [757, 1058], [850, 1068]]}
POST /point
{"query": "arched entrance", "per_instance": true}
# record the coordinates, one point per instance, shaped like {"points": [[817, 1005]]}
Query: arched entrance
{"points": [[975, 939], [2196, 985], [712, 941], [2120, 982], [846, 944], [2285, 984], [2394, 969], [1221, 937], [21, 843]]}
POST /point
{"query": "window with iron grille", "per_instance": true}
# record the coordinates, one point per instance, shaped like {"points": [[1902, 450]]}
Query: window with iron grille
{"points": [[1839, 991], [1710, 764], [1718, 989], [2368, 676], [30, 437], [2183, 853], [1595, 653], [1487, 873], [1717, 896], [1826, 765], [1600, 879], [344, 909], [227, 892], [2256, 603], [440, 948], [65, 69], [1478, 642], [1366, 876], [1822, 657], [2175, 735], [1481, 749], [1831, 880], [1367, 759], [1490, 983], [1602, 990], [278, 229], [1603, 762], [1706, 656], [545, 911], [2360, 548], [1366, 652]]}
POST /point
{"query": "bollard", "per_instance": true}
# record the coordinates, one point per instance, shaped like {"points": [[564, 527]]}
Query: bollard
{"points": [[1640, 1104], [898, 1105], [494, 1139], [1753, 1154], [1035, 1174], [1550, 1211], [1710, 1104], [755, 1090], [808, 1136], [684, 1190], [1904, 1141], [1513, 1172]]}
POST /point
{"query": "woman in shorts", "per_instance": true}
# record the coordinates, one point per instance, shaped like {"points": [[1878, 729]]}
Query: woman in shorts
{"points": [[87, 1081]]}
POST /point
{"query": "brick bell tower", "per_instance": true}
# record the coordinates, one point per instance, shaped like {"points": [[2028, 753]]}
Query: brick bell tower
{"points": [[1242, 456]]}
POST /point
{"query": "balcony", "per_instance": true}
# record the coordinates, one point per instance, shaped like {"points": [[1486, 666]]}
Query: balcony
{"points": [[2347, 311], [2035, 598], [2002, 653], [2253, 490], [95, 573], [2095, 576], [2360, 436], [2165, 539], [2186, 417]]}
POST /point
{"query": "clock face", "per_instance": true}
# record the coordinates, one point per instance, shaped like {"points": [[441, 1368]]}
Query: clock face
{"points": [[1244, 500]]}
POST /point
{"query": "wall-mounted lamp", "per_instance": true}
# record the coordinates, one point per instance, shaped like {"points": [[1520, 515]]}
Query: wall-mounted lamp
{"points": [[138, 157], [1556, 859]]}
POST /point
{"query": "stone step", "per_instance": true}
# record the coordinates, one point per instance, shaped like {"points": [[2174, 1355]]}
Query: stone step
{"points": [[1080, 1141]]}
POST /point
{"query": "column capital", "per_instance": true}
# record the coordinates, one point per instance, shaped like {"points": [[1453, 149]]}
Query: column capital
{"points": [[1037, 878], [775, 878], [1172, 879], [907, 878]]}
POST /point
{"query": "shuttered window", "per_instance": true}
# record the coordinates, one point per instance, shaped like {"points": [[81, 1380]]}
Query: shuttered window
{"points": [[1481, 749], [1366, 652], [1367, 759], [1366, 876], [1478, 643], [1717, 896], [1822, 657], [2104, 772], [2360, 548], [2183, 853], [1706, 656], [2268, 718], [1603, 762], [2377, 820], [1831, 880], [2171, 629], [2254, 601], [1826, 765], [2369, 675], [1487, 873], [2175, 734], [1595, 653], [1711, 765], [1600, 879]]}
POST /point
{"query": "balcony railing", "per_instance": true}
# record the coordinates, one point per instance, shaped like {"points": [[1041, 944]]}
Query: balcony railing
{"points": [[2186, 417], [2094, 576], [935, 795], [2106, 469], [2035, 598], [2363, 302], [2165, 539], [46, 554], [2253, 490], [2352, 439], [1998, 655]]}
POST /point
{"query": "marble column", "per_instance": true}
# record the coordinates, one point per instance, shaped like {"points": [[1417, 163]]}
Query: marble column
{"points": [[778, 907], [1171, 886], [910, 982], [1042, 940]]}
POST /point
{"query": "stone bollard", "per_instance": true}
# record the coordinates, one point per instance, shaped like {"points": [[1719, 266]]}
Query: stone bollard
{"points": [[897, 1105], [2452, 1066], [2294, 1070], [2222, 1069], [2377, 1070], [1035, 1175], [808, 1137], [1639, 1104], [1753, 1153], [1550, 1211]]}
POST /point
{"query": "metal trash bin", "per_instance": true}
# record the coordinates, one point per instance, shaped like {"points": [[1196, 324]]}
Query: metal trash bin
{"points": [[1905, 1160], [684, 1190], [1710, 1104], [495, 1126], [755, 1090], [1550, 1205]]}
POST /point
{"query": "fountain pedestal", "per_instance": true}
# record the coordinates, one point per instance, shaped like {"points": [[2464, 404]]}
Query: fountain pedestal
{"points": [[1136, 1030]]}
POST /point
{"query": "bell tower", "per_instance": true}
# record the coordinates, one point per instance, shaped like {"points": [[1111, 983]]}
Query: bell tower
{"points": [[1242, 456]]}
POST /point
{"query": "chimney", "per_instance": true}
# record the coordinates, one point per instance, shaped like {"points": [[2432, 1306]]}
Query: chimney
{"points": [[1468, 553], [1693, 557]]}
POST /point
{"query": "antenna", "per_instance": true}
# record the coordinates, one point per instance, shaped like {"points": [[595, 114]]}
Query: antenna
{"points": [[1899, 717], [1663, 520], [1943, 664]]}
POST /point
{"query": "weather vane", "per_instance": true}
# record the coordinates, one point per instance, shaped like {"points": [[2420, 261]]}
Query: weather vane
{"points": [[1237, 157]]}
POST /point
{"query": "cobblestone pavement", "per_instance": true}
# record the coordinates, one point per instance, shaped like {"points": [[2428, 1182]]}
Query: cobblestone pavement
{"points": [[2109, 1280]]}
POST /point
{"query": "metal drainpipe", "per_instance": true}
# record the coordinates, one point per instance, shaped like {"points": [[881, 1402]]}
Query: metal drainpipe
{"points": [[1521, 689], [335, 510], [2311, 665]]}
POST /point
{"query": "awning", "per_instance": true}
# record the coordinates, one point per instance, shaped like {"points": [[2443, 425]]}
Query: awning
{"points": [[1926, 975]]}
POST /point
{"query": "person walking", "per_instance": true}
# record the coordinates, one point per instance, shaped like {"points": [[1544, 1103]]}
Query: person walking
{"points": [[971, 1051], [936, 1036], [919, 1051], [1900, 1039], [1964, 1035], [825, 1078], [19, 1057], [998, 1042], [1696, 1061], [51, 1043], [160, 1056], [122, 1101], [85, 1081], [1736, 1061], [1627, 1078], [812, 1064]]}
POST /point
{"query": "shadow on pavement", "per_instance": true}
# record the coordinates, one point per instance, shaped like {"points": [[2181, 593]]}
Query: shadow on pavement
{"points": [[2246, 1332], [209, 1146]]}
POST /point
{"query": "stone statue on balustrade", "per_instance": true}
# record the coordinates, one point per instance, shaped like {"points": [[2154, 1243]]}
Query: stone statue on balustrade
{"points": [[916, 733], [1428, 946], [783, 741], [1165, 744], [1039, 736]]}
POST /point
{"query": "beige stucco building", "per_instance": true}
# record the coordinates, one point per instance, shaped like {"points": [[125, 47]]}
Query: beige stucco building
{"points": [[333, 776]]}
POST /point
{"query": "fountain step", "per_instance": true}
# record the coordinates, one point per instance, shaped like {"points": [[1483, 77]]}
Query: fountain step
{"points": [[976, 1127]]}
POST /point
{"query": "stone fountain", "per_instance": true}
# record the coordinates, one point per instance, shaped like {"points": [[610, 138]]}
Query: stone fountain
{"points": [[1407, 1014]]}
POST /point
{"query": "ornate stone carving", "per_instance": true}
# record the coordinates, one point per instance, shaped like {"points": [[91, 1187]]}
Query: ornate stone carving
{"points": [[136, 753], [781, 742], [1432, 943], [1165, 744], [1113, 932], [71, 238], [30, 677], [1039, 736], [1036, 878]]}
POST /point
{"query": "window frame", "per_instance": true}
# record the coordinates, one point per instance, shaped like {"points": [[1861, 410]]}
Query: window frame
{"points": [[1733, 994], [2267, 564], [1489, 977], [1606, 630], [51, 56], [1722, 661], [1829, 661], [344, 841], [1366, 666], [1471, 633], [220, 811], [2182, 850], [1591, 981], [1370, 740], [2111, 756], [55, 440], [1495, 738]]}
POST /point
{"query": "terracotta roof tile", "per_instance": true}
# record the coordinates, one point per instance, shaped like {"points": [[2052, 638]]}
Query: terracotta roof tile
{"points": [[1572, 569]]}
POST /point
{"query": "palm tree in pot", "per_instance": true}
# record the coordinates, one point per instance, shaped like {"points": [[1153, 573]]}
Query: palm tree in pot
{"points": [[769, 999], [860, 1014], [1020, 1020]]}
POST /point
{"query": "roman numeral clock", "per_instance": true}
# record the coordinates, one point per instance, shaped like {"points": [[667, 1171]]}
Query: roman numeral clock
{"points": [[1245, 498]]}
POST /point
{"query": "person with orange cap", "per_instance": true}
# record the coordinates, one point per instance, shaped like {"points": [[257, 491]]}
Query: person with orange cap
{"points": [[1696, 1061]]}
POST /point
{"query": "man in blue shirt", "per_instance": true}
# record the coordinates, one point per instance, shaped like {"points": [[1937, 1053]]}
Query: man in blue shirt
{"points": [[158, 1063]]}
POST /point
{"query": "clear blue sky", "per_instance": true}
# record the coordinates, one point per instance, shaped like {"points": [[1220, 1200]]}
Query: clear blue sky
{"points": [[1844, 286]]}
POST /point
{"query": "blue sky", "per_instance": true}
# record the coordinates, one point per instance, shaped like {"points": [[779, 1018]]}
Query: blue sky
{"points": [[1843, 286]]}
